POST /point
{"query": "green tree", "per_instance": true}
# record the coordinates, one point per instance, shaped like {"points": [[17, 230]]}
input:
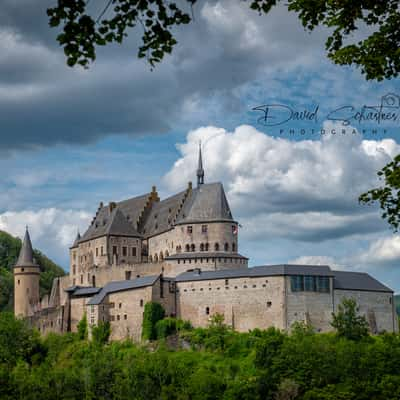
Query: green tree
{"points": [[348, 323], [153, 312], [83, 328], [387, 195], [101, 333], [376, 54]]}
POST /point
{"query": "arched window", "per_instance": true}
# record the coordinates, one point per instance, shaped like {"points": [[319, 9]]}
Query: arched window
{"points": [[226, 247], [166, 253], [155, 258], [201, 246], [216, 247], [207, 246], [233, 247], [187, 248], [192, 247], [161, 256], [93, 281]]}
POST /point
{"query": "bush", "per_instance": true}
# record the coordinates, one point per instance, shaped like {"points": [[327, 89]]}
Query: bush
{"points": [[83, 328], [101, 333], [153, 312], [348, 323], [168, 326]]}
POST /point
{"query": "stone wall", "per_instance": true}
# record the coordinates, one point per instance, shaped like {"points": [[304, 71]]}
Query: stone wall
{"points": [[378, 308], [246, 303], [314, 308], [26, 290]]}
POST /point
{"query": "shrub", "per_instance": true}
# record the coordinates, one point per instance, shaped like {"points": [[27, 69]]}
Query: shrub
{"points": [[348, 323], [153, 312], [83, 328], [169, 326], [101, 333]]}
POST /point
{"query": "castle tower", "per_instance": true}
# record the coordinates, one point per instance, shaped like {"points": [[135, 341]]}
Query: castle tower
{"points": [[200, 170], [26, 280]]}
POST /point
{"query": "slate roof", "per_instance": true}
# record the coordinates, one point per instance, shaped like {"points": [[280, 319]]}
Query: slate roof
{"points": [[110, 223], [266, 270], [82, 290], [120, 286], [76, 242], [204, 254], [25, 258], [358, 281], [207, 203], [163, 214]]}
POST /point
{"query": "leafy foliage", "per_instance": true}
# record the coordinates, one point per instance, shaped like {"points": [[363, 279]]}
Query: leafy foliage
{"points": [[153, 312], [258, 365], [101, 333], [377, 54], [348, 323], [388, 194], [169, 326], [83, 328], [9, 251]]}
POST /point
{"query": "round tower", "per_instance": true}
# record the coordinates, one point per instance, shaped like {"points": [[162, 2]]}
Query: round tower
{"points": [[26, 280]]}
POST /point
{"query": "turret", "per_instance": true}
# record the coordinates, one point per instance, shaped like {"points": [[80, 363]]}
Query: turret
{"points": [[26, 280]]}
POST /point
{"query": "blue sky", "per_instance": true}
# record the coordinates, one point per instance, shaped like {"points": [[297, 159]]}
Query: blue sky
{"points": [[71, 138]]}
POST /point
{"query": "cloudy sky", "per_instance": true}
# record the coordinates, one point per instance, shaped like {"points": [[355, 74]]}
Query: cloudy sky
{"points": [[71, 138]]}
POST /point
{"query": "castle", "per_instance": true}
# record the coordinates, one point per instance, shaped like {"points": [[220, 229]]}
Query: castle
{"points": [[183, 252]]}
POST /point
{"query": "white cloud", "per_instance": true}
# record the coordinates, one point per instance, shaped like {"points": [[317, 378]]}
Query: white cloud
{"points": [[317, 260], [289, 188], [52, 230], [384, 251]]}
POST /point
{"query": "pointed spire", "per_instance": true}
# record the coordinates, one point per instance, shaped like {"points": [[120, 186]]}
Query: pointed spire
{"points": [[200, 170], [76, 241], [25, 258]]}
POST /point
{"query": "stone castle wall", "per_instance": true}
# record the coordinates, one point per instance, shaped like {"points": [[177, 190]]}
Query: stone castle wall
{"points": [[246, 303]]}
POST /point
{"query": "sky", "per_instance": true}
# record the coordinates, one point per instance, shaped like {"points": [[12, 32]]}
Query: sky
{"points": [[72, 137]]}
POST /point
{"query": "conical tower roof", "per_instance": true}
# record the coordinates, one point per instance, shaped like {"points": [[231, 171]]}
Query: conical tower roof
{"points": [[200, 170], [25, 258]]}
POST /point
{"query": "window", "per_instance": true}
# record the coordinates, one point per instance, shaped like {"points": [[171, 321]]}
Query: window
{"points": [[88, 277], [141, 302], [127, 275], [74, 269], [193, 247], [93, 281], [112, 317], [18, 282], [309, 284], [97, 251], [118, 317], [226, 282], [133, 251], [101, 250], [204, 229], [81, 279], [119, 305], [187, 248], [233, 247], [216, 246], [323, 284], [125, 317], [269, 304], [226, 247], [124, 251], [190, 229], [112, 305], [114, 250], [207, 246], [297, 283], [201, 246], [207, 310]]}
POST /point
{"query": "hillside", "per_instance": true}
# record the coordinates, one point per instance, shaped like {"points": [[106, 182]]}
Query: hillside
{"points": [[397, 303], [9, 250]]}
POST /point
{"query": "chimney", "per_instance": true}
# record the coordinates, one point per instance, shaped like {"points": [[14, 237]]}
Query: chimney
{"points": [[112, 205]]}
